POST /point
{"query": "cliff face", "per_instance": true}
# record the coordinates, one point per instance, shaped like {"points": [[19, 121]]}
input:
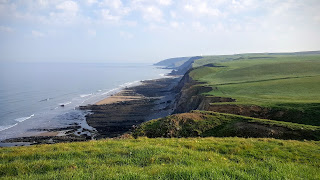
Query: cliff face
{"points": [[185, 67], [190, 97]]}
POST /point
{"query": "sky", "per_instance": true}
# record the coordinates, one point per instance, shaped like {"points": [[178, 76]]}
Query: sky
{"points": [[148, 31]]}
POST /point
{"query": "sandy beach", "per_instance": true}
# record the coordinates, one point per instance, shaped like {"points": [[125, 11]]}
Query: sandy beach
{"points": [[119, 97], [132, 106], [114, 115]]}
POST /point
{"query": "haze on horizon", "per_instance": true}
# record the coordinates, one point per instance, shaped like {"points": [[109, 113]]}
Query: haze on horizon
{"points": [[152, 30]]}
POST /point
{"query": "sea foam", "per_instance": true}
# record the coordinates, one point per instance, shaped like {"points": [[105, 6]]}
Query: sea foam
{"points": [[85, 95], [65, 103], [2, 128], [108, 92], [129, 83], [24, 118]]}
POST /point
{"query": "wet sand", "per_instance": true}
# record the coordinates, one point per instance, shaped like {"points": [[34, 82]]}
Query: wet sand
{"points": [[132, 106], [113, 116], [120, 97], [49, 134], [70, 133]]}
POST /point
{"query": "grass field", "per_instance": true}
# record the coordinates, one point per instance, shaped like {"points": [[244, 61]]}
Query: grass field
{"points": [[281, 81], [184, 158]]}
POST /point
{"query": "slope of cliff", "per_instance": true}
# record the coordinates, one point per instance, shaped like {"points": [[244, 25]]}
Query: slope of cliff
{"points": [[172, 63], [277, 87], [208, 123]]}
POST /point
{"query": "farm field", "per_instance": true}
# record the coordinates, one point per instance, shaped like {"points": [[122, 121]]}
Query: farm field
{"points": [[276, 81]]}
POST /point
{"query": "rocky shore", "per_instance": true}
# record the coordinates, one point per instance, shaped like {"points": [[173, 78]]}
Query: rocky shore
{"points": [[71, 133], [121, 112], [113, 116], [132, 106]]}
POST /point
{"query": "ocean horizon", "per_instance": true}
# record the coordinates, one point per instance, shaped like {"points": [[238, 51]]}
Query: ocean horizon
{"points": [[35, 96]]}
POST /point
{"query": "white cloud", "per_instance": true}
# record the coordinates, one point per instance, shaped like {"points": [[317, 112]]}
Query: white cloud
{"points": [[68, 6], [164, 2], [126, 35], [316, 18], [37, 34], [243, 5], [107, 16], [173, 14], [115, 4], [218, 27], [66, 12], [43, 3], [201, 8], [152, 14], [151, 11], [6, 29], [113, 10], [204, 9], [175, 24], [7, 10], [183, 19], [92, 32], [151, 2], [199, 27], [189, 7], [90, 2]]}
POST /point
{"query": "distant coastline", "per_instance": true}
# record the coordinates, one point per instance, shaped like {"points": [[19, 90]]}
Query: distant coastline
{"points": [[114, 115], [73, 119]]}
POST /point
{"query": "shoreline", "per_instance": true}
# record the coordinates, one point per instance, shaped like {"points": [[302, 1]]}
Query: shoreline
{"points": [[132, 106], [153, 96]]}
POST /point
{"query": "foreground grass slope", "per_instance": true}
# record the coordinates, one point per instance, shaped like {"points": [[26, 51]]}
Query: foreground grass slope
{"points": [[276, 81], [143, 158]]}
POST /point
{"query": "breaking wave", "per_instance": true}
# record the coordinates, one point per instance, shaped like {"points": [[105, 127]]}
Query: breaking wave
{"points": [[24, 118], [2, 128]]}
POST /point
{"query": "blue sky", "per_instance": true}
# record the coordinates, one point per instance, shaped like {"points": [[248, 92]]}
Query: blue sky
{"points": [[152, 30]]}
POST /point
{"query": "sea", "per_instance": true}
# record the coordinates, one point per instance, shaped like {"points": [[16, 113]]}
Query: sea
{"points": [[35, 96]]}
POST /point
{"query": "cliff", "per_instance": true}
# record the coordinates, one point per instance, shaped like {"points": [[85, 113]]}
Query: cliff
{"points": [[172, 63], [208, 123], [191, 96]]}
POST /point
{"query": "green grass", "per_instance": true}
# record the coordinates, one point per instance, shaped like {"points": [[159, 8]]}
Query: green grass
{"points": [[291, 90], [208, 124], [276, 81], [173, 158], [255, 70]]}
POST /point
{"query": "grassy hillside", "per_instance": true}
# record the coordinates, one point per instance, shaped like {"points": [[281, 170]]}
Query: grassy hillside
{"points": [[172, 62], [143, 158], [206, 124], [273, 81], [276, 81]]}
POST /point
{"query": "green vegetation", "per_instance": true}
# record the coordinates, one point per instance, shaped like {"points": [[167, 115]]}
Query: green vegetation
{"points": [[286, 85], [143, 158], [290, 82], [206, 123], [173, 62]]}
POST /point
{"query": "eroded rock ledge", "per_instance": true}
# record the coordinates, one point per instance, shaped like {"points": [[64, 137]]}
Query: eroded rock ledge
{"points": [[154, 99]]}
